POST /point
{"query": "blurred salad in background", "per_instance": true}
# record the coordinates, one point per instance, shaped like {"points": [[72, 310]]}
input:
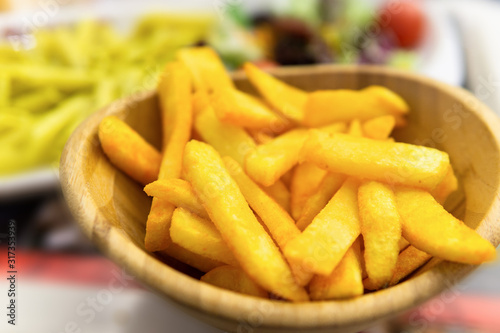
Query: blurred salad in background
{"points": [[51, 83]]}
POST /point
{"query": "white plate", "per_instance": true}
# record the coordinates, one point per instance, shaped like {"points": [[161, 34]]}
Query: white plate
{"points": [[440, 55]]}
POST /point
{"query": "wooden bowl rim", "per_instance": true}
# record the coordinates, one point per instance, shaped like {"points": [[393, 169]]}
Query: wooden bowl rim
{"points": [[235, 307]]}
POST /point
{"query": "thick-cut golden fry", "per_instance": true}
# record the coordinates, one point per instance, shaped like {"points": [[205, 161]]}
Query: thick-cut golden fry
{"points": [[254, 249], [345, 280], [355, 128], [207, 70], [228, 140], [268, 162], [430, 228], [305, 182], [447, 186], [174, 91], [327, 106], [392, 101], [403, 244], [179, 193], [389, 162], [327, 188], [203, 264], [241, 109], [128, 151], [379, 128], [326, 240], [280, 193], [174, 94], [381, 230], [200, 101], [280, 224], [199, 236], [409, 261], [287, 100], [235, 279]]}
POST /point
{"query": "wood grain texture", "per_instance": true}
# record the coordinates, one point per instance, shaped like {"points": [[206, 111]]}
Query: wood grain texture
{"points": [[112, 209]]}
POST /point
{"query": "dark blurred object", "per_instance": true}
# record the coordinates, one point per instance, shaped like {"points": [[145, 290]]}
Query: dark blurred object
{"points": [[290, 41]]}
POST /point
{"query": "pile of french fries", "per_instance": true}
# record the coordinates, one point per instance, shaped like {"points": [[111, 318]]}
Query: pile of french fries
{"points": [[292, 195], [46, 91]]}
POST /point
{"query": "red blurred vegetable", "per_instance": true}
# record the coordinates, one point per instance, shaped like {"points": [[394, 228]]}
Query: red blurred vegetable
{"points": [[406, 19]]}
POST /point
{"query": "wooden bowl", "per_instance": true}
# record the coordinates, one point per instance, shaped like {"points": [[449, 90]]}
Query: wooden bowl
{"points": [[112, 209]]}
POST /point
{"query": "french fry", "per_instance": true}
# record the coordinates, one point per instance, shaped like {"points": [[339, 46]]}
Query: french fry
{"points": [[254, 249], [447, 186], [327, 106], [235, 279], [327, 188], [408, 261], [179, 193], [381, 230], [227, 139], [345, 280], [355, 128], [403, 244], [128, 151], [241, 109], [206, 68], [174, 91], [199, 236], [393, 163], [379, 128], [305, 182], [425, 222], [280, 193], [200, 101], [268, 162], [326, 240], [279, 223], [287, 100], [203, 264], [392, 101]]}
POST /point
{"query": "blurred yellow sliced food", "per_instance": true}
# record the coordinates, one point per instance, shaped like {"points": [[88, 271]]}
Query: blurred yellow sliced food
{"points": [[280, 193], [199, 236], [279, 223], [447, 186], [430, 228], [305, 182], [268, 162], [174, 90], [235, 279], [201, 100], [241, 109], [201, 263], [5, 87], [325, 241], [392, 101], [177, 192], [254, 249], [228, 140], [379, 128], [128, 151], [327, 106], [355, 128], [381, 230], [327, 188], [344, 282], [287, 100], [390, 162], [206, 68], [408, 261], [403, 244]]}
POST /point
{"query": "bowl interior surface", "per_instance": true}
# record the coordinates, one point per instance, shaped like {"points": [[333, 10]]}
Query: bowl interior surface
{"points": [[112, 209]]}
